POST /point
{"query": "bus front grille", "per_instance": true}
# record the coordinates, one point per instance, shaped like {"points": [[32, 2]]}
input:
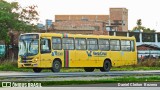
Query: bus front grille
{"points": [[25, 61], [27, 58]]}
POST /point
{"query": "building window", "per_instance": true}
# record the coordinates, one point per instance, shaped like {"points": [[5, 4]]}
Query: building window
{"points": [[84, 19], [103, 44], [136, 35], [56, 43], [114, 45], [92, 44], [148, 37], [111, 33], [121, 33], [68, 43]]}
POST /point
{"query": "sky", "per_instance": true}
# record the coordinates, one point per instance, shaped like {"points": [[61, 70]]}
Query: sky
{"points": [[147, 10]]}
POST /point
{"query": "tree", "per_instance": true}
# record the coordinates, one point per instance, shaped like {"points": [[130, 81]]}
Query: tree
{"points": [[14, 17], [139, 22], [140, 27], [17, 18]]}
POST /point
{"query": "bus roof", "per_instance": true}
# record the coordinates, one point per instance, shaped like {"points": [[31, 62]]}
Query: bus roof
{"points": [[80, 35]]}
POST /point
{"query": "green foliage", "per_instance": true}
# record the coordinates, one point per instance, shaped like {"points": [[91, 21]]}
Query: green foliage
{"points": [[14, 17], [7, 65], [139, 22], [107, 80], [148, 30], [72, 83], [140, 27], [150, 63], [147, 64], [11, 66]]}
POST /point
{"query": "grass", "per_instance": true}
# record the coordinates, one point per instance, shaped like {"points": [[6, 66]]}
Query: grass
{"points": [[123, 79], [145, 65], [148, 64], [109, 80], [133, 68], [10, 66]]}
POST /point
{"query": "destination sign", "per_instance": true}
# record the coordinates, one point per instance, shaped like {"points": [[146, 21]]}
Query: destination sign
{"points": [[29, 36]]}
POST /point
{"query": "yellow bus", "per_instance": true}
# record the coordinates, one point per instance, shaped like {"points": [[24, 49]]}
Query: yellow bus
{"points": [[55, 51]]}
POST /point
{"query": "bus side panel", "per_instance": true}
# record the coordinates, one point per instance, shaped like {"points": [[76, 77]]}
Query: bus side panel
{"points": [[46, 60], [134, 58], [69, 58], [127, 58], [88, 59], [103, 55], [116, 58], [130, 58], [58, 54], [84, 58]]}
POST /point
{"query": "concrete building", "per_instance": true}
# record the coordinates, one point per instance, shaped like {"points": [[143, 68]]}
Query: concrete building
{"points": [[146, 51], [79, 27], [117, 20], [40, 26], [148, 44]]}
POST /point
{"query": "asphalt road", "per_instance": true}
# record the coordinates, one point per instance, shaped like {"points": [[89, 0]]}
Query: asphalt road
{"points": [[75, 74]]}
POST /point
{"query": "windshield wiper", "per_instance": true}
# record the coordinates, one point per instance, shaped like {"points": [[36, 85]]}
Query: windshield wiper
{"points": [[24, 46], [27, 46], [30, 44]]}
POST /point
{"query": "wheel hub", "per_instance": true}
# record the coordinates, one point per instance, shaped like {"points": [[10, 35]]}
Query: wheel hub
{"points": [[56, 66]]}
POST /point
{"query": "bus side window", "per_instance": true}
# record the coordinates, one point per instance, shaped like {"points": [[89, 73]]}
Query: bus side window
{"points": [[56, 43], [132, 46], [92, 44], [68, 43], [114, 45], [104, 44], [80, 44], [125, 45], [45, 46]]}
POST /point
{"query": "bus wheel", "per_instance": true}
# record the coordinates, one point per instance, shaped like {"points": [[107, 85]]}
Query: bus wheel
{"points": [[37, 70], [89, 69], [56, 66], [106, 66]]}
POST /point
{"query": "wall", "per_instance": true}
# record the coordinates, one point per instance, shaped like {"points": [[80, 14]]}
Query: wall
{"points": [[121, 16]]}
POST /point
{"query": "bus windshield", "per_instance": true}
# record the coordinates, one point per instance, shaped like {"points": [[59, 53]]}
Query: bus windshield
{"points": [[28, 47]]}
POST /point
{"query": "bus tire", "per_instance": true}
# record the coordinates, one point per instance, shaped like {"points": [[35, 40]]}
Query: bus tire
{"points": [[106, 66], [56, 66], [89, 69], [37, 70]]}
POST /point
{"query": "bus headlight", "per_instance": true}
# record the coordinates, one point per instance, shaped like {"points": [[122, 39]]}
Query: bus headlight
{"points": [[36, 60]]}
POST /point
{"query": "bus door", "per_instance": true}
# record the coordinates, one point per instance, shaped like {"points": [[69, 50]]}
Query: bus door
{"points": [[45, 50]]}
